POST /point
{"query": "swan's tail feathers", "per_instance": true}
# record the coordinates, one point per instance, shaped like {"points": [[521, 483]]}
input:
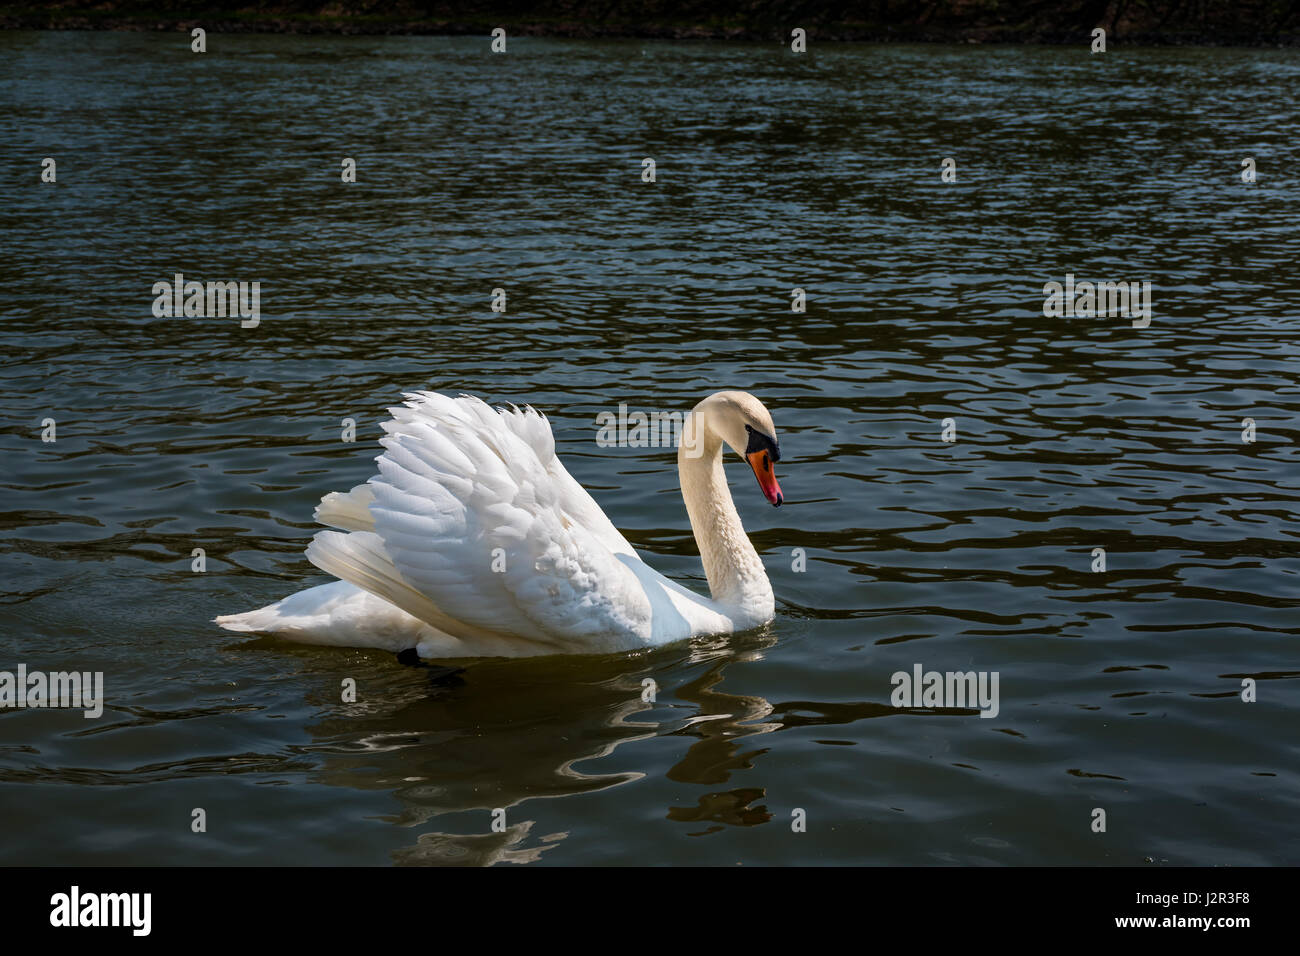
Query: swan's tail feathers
{"points": [[289, 618], [348, 511], [263, 619], [336, 614]]}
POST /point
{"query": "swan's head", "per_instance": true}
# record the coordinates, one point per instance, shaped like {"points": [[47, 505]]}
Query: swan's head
{"points": [[741, 421]]}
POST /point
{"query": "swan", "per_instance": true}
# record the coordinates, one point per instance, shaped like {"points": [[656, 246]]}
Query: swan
{"points": [[474, 541]]}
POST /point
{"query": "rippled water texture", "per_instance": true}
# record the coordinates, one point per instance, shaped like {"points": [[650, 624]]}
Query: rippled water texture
{"points": [[1119, 690]]}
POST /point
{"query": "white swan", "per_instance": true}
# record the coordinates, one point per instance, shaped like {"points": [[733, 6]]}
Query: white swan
{"points": [[474, 541]]}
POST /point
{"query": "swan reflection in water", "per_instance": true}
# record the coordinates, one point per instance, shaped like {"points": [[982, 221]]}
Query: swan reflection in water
{"points": [[501, 733]]}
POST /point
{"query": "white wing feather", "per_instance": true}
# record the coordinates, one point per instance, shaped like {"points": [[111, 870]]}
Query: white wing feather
{"points": [[477, 529]]}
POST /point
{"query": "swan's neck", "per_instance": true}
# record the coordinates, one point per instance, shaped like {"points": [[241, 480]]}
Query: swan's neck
{"points": [[735, 572]]}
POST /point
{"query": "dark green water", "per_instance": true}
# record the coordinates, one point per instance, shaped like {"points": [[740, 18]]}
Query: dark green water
{"points": [[1119, 690]]}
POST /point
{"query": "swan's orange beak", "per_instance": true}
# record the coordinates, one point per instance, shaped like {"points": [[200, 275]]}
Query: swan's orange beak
{"points": [[761, 462]]}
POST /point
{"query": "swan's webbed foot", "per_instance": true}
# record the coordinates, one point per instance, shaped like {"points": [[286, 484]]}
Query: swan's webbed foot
{"points": [[437, 675]]}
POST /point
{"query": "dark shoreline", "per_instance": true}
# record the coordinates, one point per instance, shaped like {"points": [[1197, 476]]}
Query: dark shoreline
{"points": [[1052, 32]]}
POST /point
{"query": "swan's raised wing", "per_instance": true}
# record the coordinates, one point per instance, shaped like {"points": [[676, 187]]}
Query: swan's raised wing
{"points": [[477, 528]]}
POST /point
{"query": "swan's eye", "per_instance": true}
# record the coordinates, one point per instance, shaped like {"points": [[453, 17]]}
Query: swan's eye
{"points": [[758, 442]]}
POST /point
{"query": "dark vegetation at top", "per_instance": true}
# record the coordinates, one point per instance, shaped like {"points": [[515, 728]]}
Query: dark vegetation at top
{"points": [[1212, 22]]}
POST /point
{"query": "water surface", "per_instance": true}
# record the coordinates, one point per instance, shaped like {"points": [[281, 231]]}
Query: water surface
{"points": [[1119, 690]]}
